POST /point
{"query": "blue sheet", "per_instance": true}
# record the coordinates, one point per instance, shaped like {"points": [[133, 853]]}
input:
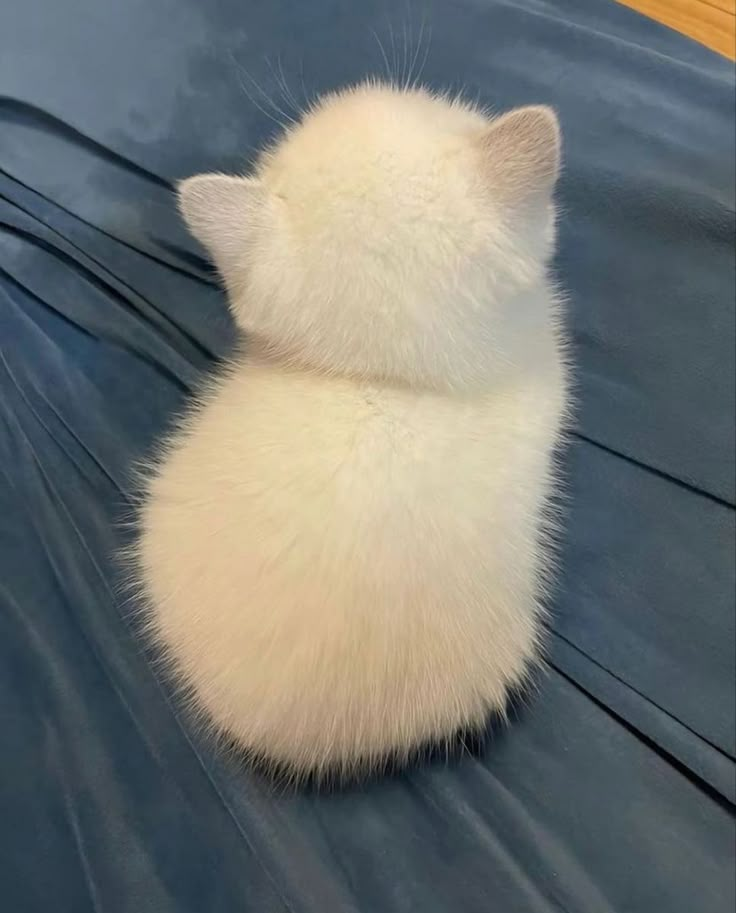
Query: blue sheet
{"points": [[613, 790]]}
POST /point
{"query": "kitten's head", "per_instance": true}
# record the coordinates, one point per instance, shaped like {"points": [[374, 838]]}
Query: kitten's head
{"points": [[390, 234]]}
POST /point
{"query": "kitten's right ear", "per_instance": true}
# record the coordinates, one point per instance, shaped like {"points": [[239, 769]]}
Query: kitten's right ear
{"points": [[220, 211], [521, 155]]}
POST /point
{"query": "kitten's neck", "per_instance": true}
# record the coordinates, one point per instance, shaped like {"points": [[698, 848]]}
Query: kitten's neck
{"points": [[523, 341]]}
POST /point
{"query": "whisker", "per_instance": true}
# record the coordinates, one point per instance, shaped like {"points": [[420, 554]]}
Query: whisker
{"points": [[305, 95], [394, 57], [405, 53], [416, 52], [276, 80], [291, 92], [420, 71], [289, 95], [383, 53], [269, 99], [241, 71]]}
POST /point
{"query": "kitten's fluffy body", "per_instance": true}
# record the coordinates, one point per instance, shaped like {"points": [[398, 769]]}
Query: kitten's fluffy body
{"points": [[343, 546]]}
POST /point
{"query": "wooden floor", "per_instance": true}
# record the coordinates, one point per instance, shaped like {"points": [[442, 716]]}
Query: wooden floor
{"points": [[711, 22]]}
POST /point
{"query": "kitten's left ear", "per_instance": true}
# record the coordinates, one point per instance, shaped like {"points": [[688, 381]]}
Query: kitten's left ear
{"points": [[521, 155], [221, 211]]}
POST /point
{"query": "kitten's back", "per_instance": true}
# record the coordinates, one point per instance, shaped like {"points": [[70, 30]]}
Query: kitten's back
{"points": [[344, 547]]}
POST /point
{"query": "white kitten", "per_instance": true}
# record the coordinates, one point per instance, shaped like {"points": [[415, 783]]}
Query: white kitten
{"points": [[343, 546]]}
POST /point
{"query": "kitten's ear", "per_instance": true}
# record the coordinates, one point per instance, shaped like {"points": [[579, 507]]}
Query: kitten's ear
{"points": [[521, 155], [220, 211]]}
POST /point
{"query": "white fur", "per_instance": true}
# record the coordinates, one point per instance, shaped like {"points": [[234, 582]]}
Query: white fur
{"points": [[343, 547]]}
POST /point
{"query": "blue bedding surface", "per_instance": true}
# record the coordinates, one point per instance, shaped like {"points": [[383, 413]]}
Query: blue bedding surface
{"points": [[614, 788]]}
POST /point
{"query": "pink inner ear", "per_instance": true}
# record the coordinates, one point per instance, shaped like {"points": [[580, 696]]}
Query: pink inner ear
{"points": [[521, 154]]}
